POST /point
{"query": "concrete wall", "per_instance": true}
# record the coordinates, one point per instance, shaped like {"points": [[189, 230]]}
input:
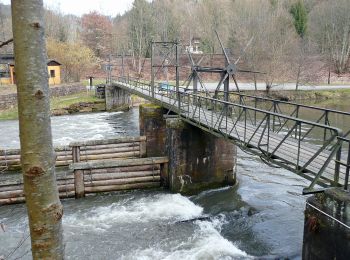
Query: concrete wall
{"points": [[327, 226], [117, 99], [197, 160]]}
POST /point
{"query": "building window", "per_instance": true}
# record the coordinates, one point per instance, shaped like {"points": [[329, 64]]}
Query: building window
{"points": [[52, 74]]}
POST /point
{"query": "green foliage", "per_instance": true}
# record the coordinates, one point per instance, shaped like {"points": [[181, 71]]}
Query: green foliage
{"points": [[300, 16]]}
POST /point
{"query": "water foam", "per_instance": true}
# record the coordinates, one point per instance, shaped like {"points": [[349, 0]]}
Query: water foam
{"points": [[205, 243], [167, 207]]}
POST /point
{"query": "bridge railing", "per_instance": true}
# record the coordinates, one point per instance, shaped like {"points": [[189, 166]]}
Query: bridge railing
{"points": [[344, 162], [287, 143], [330, 117]]}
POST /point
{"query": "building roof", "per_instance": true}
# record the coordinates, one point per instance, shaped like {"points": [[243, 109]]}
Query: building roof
{"points": [[10, 59], [52, 62]]}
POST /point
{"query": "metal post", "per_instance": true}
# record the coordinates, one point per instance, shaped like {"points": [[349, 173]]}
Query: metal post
{"points": [[123, 65], [346, 182], [152, 70], [226, 94], [337, 163], [177, 74]]}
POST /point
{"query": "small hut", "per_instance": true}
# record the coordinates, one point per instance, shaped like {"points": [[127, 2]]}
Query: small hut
{"points": [[8, 74]]}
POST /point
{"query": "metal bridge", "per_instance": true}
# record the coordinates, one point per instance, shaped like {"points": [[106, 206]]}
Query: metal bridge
{"points": [[274, 130]]}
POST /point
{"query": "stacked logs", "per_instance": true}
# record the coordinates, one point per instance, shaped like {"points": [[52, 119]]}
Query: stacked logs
{"points": [[11, 190], [107, 176], [110, 149], [11, 159], [95, 166], [95, 177]]}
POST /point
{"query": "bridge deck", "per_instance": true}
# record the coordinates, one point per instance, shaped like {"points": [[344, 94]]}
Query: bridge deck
{"points": [[295, 155]]}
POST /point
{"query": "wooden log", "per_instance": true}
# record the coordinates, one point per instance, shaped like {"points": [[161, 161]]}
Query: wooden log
{"points": [[11, 194], [11, 187], [118, 163], [145, 185], [70, 194], [108, 146], [111, 150], [121, 181], [143, 148], [108, 141], [63, 163], [118, 175], [76, 154], [79, 184], [12, 201], [63, 158], [10, 161], [65, 181], [137, 168], [68, 187], [10, 157], [109, 156]]}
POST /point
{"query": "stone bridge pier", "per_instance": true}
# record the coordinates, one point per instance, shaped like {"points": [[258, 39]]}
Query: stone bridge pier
{"points": [[197, 160], [116, 98]]}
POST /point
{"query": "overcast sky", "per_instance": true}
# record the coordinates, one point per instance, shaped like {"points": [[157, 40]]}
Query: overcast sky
{"points": [[79, 7]]}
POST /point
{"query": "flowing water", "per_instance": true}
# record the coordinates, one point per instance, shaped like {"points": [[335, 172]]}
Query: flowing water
{"points": [[262, 217]]}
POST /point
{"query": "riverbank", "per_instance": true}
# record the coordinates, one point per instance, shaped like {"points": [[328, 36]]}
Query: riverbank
{"points": [[302, 95], [82, 102]]}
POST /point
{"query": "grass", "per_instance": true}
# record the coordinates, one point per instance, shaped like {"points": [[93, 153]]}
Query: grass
{"points": [[66, 101], [55, 103]]}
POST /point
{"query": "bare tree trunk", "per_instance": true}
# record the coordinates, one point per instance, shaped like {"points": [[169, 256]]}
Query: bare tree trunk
{"points": [[37, 154], [298, 77]]}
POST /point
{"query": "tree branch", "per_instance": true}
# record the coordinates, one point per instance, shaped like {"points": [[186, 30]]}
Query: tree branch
{"points": [[5, 43]]}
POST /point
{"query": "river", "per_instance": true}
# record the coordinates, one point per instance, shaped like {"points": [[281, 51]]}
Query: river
{"points": [[262, 217]]}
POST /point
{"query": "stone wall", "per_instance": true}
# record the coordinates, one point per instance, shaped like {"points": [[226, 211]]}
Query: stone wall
{"points": [[10, 100]]}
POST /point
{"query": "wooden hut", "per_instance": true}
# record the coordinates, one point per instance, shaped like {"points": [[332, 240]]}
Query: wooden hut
{"points": [[8, 74]]}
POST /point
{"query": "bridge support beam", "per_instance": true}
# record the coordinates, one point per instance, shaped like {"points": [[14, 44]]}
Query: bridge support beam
{"points": [[117, 99], [327, 222], [152, 125], [197, 160]]}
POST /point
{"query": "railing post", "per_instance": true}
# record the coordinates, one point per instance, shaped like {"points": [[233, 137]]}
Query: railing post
{"points": [[79, 184], [177, 74], [76, 154], [152, 70], [326, 122], [337, 163], [346, 182]]}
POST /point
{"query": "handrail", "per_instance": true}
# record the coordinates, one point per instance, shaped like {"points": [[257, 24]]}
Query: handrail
{"points": [[338, 130], [325, 112]]}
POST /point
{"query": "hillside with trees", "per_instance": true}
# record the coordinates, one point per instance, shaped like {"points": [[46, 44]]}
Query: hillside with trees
{"points": [[301, 41]]}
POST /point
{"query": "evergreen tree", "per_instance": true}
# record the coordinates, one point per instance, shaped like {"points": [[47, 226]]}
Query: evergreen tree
{"points": [[299, 13]]}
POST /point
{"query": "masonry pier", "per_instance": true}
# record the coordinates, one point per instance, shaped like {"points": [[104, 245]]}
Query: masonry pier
{"points": [[327, 226], [197, 160], [117, 99]]}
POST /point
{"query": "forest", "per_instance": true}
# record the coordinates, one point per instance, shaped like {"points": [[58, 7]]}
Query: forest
{"points": [[299, 41]]}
